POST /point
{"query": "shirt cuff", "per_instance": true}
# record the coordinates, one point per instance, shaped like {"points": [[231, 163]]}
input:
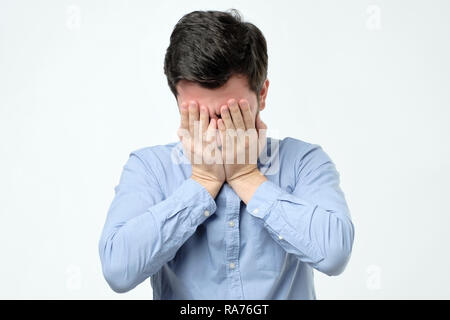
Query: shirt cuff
{"points": [[265, 196], [192, 194]]}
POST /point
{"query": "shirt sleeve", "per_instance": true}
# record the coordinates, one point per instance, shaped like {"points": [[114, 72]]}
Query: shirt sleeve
{"points": [[313, 221], [144, 230]]}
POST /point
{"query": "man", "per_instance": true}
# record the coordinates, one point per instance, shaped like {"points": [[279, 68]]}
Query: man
{"points": [[204, 218]]}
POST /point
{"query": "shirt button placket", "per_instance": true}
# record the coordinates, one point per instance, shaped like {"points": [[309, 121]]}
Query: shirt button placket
{"points": [[232, 244]]}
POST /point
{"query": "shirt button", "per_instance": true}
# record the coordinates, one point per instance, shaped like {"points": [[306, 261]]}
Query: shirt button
{"points": [[256, 211], [232, 265], [280, 237], [231, 223], [206, 213]]}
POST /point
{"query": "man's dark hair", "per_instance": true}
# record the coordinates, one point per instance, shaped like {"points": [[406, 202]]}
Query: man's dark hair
{"points": [[207, 47]]}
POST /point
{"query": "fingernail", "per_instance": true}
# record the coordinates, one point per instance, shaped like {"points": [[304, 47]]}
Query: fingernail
{"points": [[231, 102]]}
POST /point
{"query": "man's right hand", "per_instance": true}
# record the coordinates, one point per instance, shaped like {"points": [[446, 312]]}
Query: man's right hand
{"points": [[198, 137]]}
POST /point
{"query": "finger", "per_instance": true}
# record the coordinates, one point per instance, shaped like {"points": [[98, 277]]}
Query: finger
{"points": [[221, 126], [218, 132], [204, 119], [211, 131], [184, 116], [247, 114], [193, 116], [226, 117], [236, 114], [185, 139], [212, 139], [222, 132], [182, 133]]}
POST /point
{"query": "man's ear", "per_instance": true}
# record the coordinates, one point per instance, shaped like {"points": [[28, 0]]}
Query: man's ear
{"points": [[263, 95]]}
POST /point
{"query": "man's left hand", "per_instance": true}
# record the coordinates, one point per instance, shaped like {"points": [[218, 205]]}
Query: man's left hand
{"points": [[243, 137]]}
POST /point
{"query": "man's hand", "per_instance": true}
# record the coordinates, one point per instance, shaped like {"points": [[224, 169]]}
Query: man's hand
{"points": [[242, 141], [198, 136]]}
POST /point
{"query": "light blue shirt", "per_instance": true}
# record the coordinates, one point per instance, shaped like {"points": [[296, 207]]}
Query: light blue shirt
{"points": [[165, 226]]}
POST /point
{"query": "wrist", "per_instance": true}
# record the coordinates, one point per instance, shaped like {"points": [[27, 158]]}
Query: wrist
{"points": [[212, 186], [246, 184], [251, 174]]}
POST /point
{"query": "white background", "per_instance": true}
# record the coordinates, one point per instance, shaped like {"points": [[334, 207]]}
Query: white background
{"points": [[82, 85]]}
